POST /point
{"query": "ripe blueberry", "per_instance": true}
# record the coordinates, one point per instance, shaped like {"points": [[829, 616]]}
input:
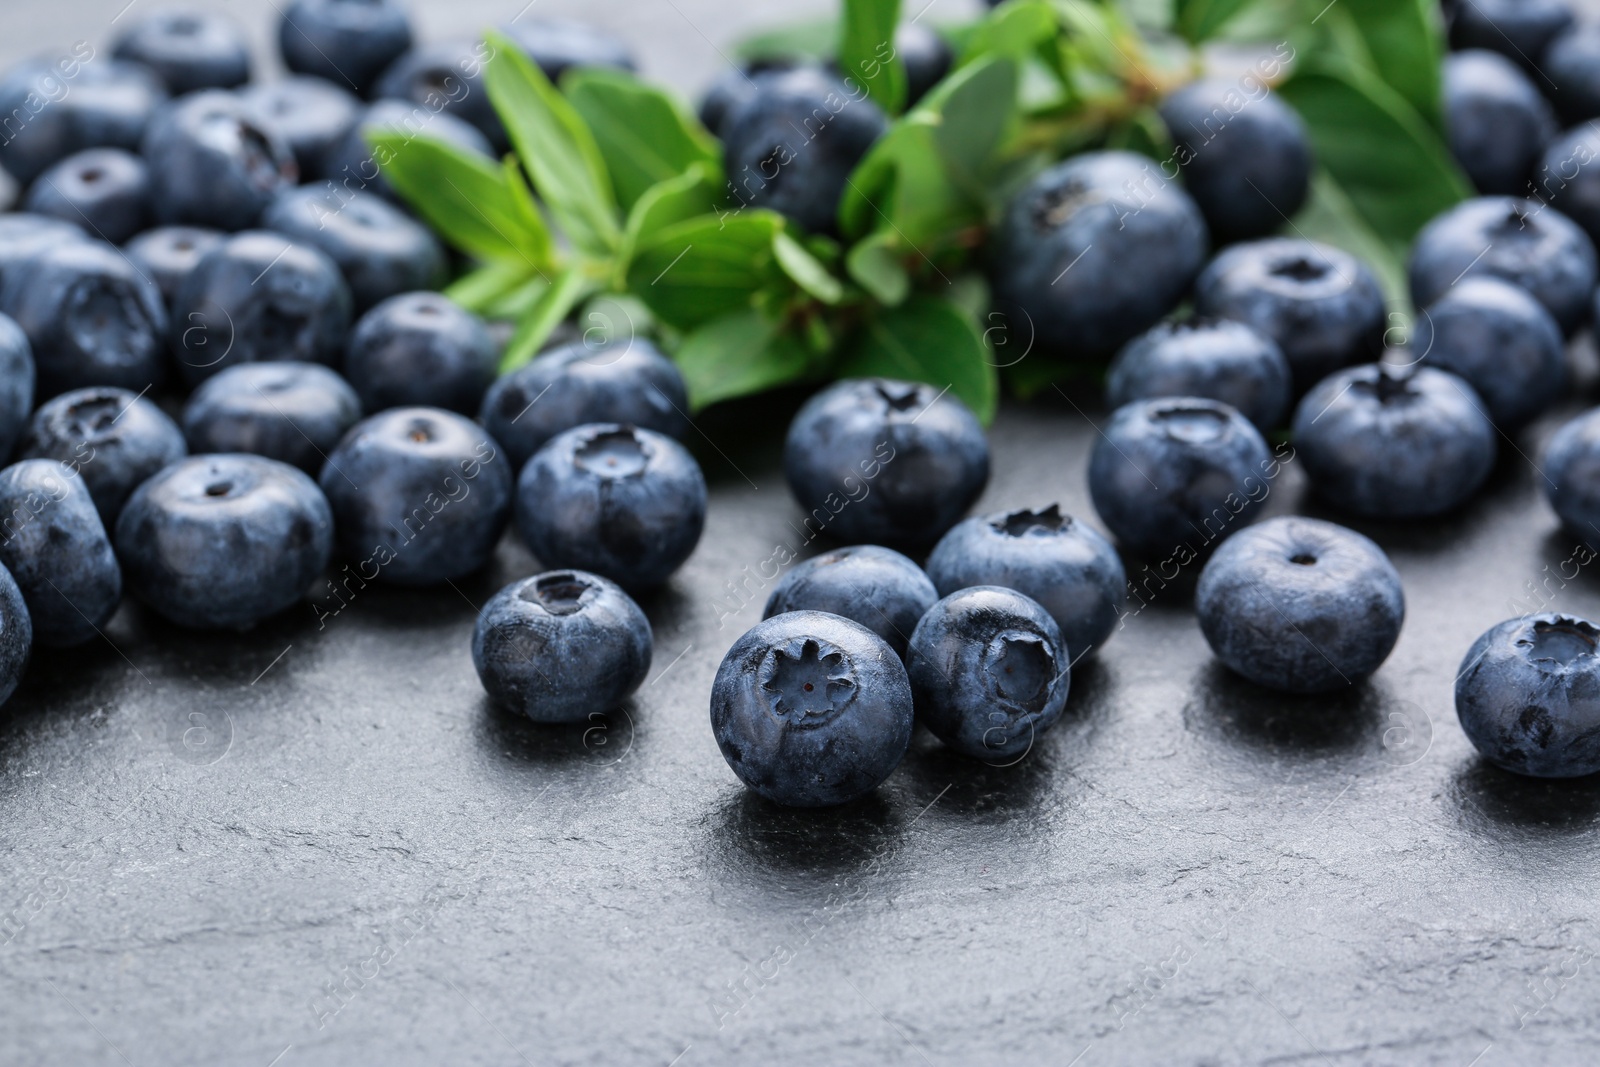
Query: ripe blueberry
{"points": [[104, 190], [348, 42], [1215, 358], [1571, 465], [57, 107], [1501, 341], [867, 584], [113, 437], [56, 548], [292, 412], [212, 163], [16, 635], [420, 348], [381, 250], [310, 115], [167, 254], [17, 380], [189, 50], [1497, 121]]}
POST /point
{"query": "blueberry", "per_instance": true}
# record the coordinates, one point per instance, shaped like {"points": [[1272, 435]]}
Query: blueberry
{"points": [[1497, 121], [1569, 177], [17, 380], [24, 235], [1245, 157], [1060, 563], [577, 383], [1501, 341], [1394, 444], [1322, 305], [989, 672], [189, 49], [1528, 696], [559, 45], [169, 254], [561, 646], [732, 89], [1518, 29], [780, 155], [55, 108], [222, 542], [104, 190], [811, 710], [926, 55], [381, 250], [113, 437], [16, 635], [1572, 65], [312, 116], [212, 163], [885, 462], [352, 165], [421, 495], [626, 503], [295, 413], [349, 42], [1167, 473], [91, 317], [259, 296], [1215, 358], [1522, 241], [867, 584], [445, 77], [1300, 605], [1571, 466], [1095, 251], [420, 348], [56, 548]]}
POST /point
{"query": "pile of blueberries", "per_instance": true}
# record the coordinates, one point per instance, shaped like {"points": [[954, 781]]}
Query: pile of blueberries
{"points": [[168, 247]]}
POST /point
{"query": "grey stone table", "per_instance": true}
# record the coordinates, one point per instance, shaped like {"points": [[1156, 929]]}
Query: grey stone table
{"points": [[316, 843]]}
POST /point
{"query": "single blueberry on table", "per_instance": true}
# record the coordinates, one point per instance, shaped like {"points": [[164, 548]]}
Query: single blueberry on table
{"points": [[90, 316], [24, 235], [445, 77], [381, 251], [1300, 605], [733, 88], [59, 106], [114, 438], [570, 385], [188, 49], [811, 710], [16, 635], [1569, 177], [989, 672], [1572, 64], [55, 546], [559, 45], [1571, 466], [1322, 306], [1214, 358], [1501, 341], [780, 155], [17, 381], [310, 115], [212, 163], [420, 495], [1528, 696], [348, 42], [1497, 121], [1066, 567], [626, 503], [104, 190], [354, 164], [880, 461], [168, 254], [561, 646], [1394, 444], [867, 584], [292, 412], [1095, 251], [1172, 476], [1520, 241], [1518, 29], [1245, 156], [259, 296], [222, 542], [420, 348]]}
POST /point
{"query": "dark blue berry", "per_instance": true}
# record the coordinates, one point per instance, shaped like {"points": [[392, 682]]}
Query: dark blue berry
{"points": [[1571, 466], [1497, 121], [1572, 65], [17, 382], [626, 503], [292, 412], [104, 190], [56, 548], [1501, 341], [54, 108], [168, 254], [348, 42], [420, 348], [1518, 29], [732, 89], [310, 115], [561, 646], [24, 235], [1215, 358], [811, 710], [16, 635], [212, 163], [867, 584], [188, 49], [381, 250], [113, 437], [1569, 179], [1300, 605]]}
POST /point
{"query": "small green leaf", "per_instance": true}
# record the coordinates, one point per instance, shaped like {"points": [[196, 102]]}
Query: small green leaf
{"points": [[977, 109], [689, 195], [737, 354], [1402, 41], [927, 340], [867, 54], [1014, 30], [814, 40], [645, 137], [875, 265], [702, 269], [804, 270], [1201, 20], [556, 146], [479, 289], [565, 293]]}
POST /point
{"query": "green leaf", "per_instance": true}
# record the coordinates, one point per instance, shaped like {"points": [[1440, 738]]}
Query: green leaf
{"points": [[1201, 20], [1395, 169], [464, 196], [556, 147], [927, 340], [738, 354], [1014, 30], [814, 40], [565, 293], [1330, 216], [695, 271], [875, 264], [867, 54], [642, 133], [804, 269], [481, 288], [689, 195], [976, 109], [1401, 41]]}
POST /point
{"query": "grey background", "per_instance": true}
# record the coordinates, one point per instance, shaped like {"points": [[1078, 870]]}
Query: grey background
{"points": [[201, 833]]}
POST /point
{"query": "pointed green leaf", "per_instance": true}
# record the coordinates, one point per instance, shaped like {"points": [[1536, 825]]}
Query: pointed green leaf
{"points": [[478, 289], [1201, 20], [738, 354], [1402, 41], [565, 293], [1013, 30], [867, 54], [927, 340], [707, 267], [645, 137], [875, 264], [805, 270]]}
